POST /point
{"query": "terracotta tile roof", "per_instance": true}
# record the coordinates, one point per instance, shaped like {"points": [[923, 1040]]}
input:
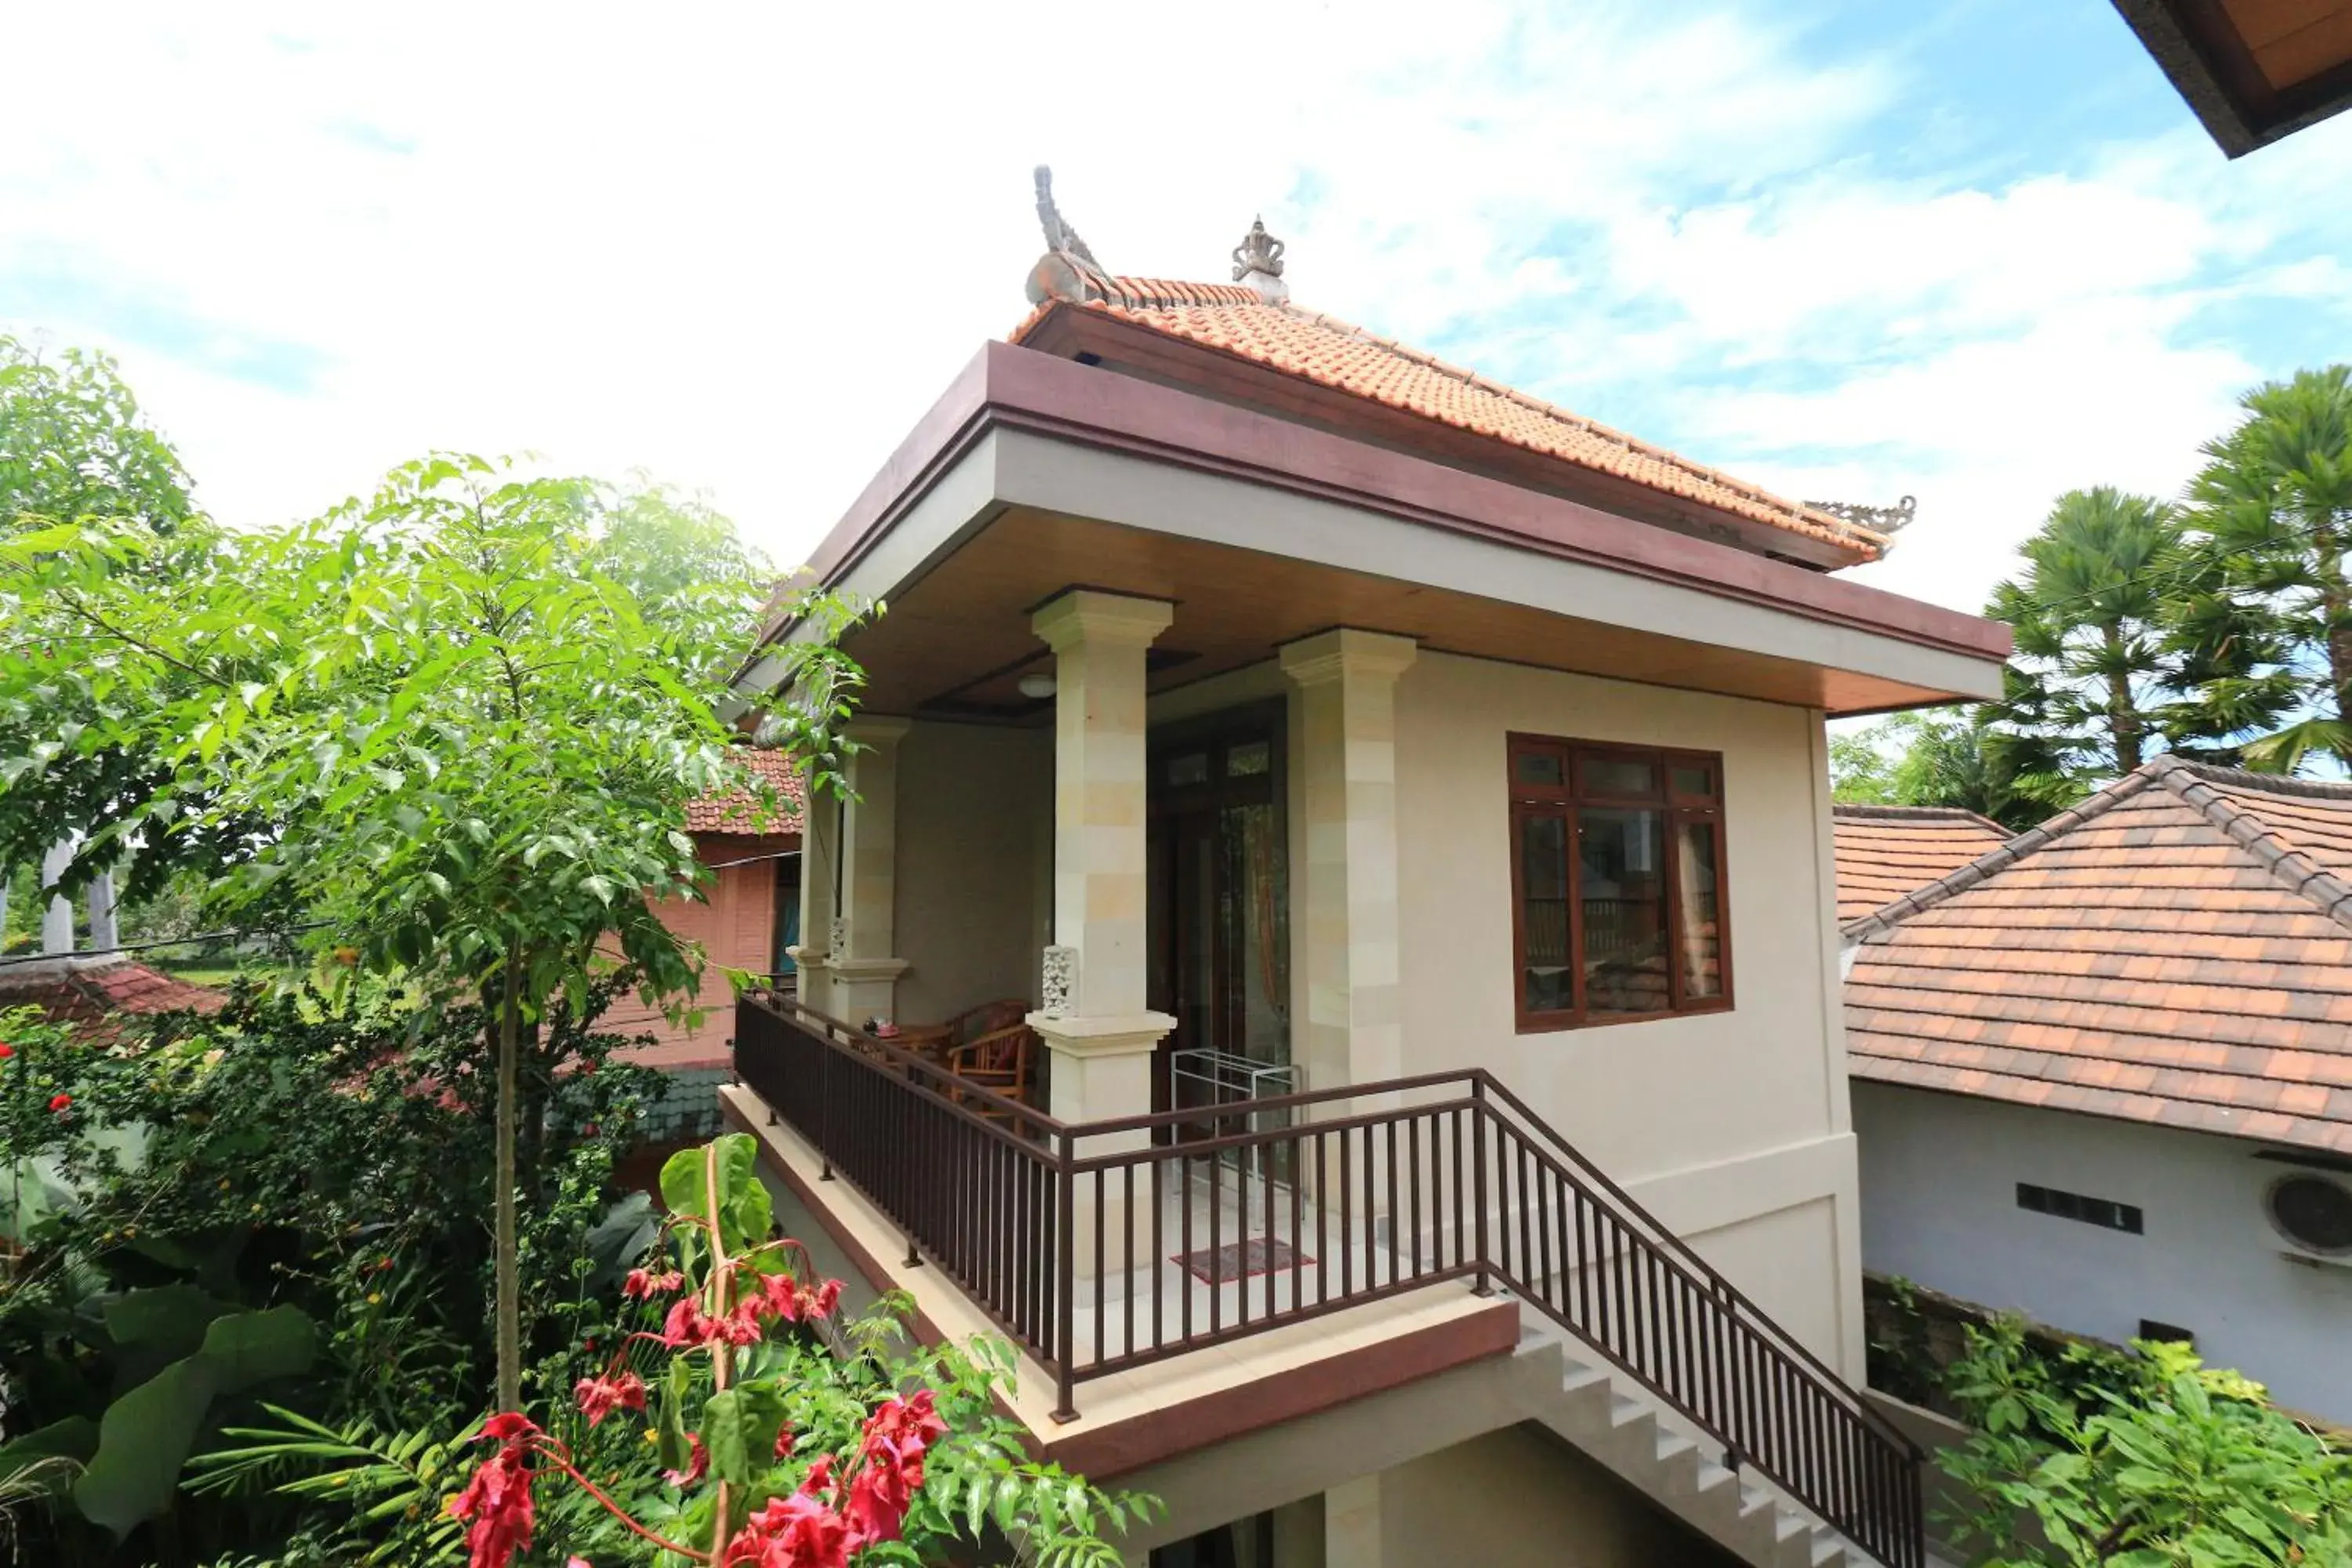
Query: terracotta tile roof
{"points": [[736, 810], [91, 998], [2176, 949], [1885, 851], [1323, 349]]}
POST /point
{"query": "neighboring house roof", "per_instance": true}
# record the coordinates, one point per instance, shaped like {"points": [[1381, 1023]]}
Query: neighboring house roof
{"points": [[1885, 851], [90, 997], [737, 811], [2176, 949], [1234, 320]]}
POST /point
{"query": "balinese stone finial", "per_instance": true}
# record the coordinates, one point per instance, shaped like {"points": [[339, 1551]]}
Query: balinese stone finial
{"points": [[1059, 234], [1257, 261], [1067, 270]]}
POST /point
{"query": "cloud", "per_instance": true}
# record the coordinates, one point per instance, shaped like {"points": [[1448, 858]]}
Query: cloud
{"points": [[745, 246]]}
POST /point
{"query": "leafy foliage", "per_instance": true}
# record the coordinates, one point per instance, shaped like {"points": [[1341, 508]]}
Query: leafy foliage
{"points": [[753, 1393], [2110, 667], [1936, 758], [2273, 515], [311, 1173], [2147, 1462]]}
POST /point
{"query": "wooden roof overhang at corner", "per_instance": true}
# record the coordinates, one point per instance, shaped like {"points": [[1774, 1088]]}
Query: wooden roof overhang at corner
{"points": [[2254, 70], [956, 637]]}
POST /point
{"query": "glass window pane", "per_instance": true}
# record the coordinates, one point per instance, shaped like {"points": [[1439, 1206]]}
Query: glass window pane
{"points": [[1545, 983], [1618, 775], [1622, 856], [1694, 781], [1192, 768], [1538, 768], [1248, 759], [1699, 912]]}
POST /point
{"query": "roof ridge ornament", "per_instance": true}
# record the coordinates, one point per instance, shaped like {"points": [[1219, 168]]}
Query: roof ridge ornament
{"points": [[1059, 234], [1877, 519], [1257, 262], [1068, 270]]}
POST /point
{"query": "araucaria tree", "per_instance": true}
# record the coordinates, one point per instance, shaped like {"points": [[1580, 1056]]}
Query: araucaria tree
{"points": [[2108, 671], [2272, 509], [455, 725]]}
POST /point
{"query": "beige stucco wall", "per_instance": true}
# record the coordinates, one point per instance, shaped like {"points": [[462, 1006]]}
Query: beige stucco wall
{"points": [[1733, 1127], [974, 825], [1517, 1498]]}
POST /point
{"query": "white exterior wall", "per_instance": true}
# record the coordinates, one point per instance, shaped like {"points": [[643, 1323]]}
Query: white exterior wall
{"points": [[1939, 1174], [1731, 1127]]}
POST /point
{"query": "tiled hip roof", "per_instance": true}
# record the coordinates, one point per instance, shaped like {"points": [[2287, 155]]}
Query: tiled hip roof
{"points": [[1334, 353], [2176, 950]]}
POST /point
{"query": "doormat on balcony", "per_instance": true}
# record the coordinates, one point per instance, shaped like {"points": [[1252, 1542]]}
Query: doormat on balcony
{"points": [[1238, 1259]]}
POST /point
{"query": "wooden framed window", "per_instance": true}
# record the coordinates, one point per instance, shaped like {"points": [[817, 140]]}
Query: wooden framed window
{"points": [[1620, 905]]}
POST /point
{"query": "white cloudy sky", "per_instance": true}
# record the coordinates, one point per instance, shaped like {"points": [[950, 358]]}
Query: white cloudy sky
{"points": [[1978, 251]]}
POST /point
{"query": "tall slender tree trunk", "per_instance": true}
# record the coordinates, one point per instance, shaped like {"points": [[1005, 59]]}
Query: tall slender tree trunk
{"points": [[2123, 719], [509, 1290], [2335, 612]]}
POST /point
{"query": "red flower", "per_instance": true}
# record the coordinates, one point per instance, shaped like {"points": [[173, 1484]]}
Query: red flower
{"points": [[786, 1298], [498, 1499], [6, 1051], [62, 1103], [890, 1466], [698, 1465], [795, 1532], [784, 1439], [600, 1396], [686, 1326], [644, 1286]]}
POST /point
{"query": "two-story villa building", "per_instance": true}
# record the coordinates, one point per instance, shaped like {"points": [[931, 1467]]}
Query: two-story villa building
{"points": [[1390, 818]]}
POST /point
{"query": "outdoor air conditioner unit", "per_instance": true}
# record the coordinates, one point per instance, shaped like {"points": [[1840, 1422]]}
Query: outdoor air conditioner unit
{"points": [[2312, 1212]]}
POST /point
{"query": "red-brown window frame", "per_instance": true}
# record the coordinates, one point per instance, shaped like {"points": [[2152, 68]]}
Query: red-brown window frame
{"points": [[1563, 801]]}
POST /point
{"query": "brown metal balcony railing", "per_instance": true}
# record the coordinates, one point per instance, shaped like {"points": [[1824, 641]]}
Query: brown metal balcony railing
{"points": [[1199, 1231]]}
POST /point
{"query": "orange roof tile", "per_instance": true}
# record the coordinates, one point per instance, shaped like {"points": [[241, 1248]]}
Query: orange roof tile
{"points": [[1234, 320], [736, 810], [92, 996], [1885, 851], [2176, 950]]}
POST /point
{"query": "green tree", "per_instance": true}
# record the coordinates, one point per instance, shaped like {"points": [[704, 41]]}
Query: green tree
{"points": [[2271, 511], [442, 725], [1940, 757], [73, 445], [2150, 1461], [2111, 666]]}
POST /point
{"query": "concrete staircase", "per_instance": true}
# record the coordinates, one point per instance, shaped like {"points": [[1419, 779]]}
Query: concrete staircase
{"points": [[1623, 1427]]}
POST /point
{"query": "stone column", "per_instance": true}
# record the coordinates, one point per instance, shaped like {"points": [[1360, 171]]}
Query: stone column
{"points": [[867, 967], [1346, 763], [1099, 1035], [58, 920], [1095, 1022], [105, 935], [813, 955]]}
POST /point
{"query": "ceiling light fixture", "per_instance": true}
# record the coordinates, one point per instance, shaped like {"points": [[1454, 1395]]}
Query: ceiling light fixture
{"points": [[1039, 686]]}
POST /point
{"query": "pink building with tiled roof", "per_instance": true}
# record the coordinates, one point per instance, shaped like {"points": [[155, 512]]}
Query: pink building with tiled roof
{"points": [[2102, 1069], [743, 922]]}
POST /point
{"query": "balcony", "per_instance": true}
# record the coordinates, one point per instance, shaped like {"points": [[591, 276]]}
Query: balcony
{"points": [[1216, 1253]]}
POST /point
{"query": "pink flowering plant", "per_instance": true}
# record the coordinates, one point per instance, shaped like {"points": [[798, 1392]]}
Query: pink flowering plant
{"points": [[747, 1424]]}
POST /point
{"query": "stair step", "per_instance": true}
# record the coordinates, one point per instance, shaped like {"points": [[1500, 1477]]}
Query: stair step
{"points": [[1712, 1475], [1579, 1376], [1625, 1411], [1673, 1445], [1828, 1550]]}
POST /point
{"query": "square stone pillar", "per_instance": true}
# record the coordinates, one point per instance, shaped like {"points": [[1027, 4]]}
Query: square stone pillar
{"points": [[57, 918], [1097, 1031], [1346, 763], [813, 955], [865, 965]]}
